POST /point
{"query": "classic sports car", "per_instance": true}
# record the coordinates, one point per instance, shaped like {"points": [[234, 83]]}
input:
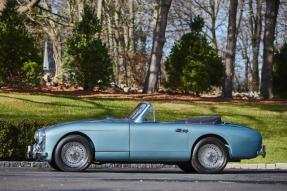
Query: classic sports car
{"points": [[202, 145]]}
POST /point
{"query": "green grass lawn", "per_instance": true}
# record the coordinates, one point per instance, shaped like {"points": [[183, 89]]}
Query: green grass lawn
{"points": [[270, 120]]}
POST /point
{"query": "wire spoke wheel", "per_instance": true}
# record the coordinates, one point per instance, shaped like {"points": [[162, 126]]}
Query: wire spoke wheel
{"points": [[74, 154], [210, 156]]}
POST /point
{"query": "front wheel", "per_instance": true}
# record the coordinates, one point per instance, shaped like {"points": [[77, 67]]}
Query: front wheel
{"points": [[73, 153], [209, 156]]}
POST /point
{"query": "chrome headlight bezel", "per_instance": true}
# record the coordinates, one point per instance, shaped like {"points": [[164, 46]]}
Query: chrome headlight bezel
{"points": [[36, 136], [40, 136]]}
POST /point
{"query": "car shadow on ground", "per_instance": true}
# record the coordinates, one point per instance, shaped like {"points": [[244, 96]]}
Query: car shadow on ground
{"points": [[144, 171], [178, 171]]}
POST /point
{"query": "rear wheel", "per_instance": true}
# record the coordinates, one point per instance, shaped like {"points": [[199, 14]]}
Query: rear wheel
{"points": [[209, 156], [186, 167], [73, 153]]}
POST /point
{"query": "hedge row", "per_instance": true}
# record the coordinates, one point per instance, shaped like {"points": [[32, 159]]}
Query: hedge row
{"points": [[15, 136]]}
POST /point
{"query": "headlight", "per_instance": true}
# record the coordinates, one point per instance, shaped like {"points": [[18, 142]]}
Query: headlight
{"points": [[36, 136], [40, 136]]}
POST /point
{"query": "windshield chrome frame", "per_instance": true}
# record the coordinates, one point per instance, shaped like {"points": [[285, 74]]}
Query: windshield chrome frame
{"points": [[140, 117]]}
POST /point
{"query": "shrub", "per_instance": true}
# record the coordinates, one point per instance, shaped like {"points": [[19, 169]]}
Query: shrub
{"points": [[280, 72], [16, 46], [193, 64], [15, 136], [31, 71], [86, 58]]}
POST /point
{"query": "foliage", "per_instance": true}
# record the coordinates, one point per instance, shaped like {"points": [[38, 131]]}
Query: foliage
{"points": [[31, 71], [87, 61], [15, 136], [280, 72], [16, 47], [193, 64]]}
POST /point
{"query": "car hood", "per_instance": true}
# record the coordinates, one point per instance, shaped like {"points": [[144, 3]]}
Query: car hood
{"points": [[86, 122]]}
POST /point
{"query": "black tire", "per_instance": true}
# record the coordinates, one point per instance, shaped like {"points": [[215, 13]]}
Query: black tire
{"points": [[82, 148], [216, 148], [53, 165], [186, 167]]}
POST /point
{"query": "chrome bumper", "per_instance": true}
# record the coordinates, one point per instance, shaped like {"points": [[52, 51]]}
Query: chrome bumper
{"points": [[262, 151], [34, 153]]}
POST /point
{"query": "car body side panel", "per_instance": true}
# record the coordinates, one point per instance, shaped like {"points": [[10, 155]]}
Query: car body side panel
{"points": [[151, 142], [242, 142], [107, 136], [111, 141], [112, 156]]}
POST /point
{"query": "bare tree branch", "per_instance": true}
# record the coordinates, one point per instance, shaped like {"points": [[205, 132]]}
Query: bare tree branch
{"points": [[28, 6]]}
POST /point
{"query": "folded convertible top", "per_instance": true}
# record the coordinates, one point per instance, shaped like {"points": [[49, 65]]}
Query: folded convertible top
{"points": [[204, 120]]}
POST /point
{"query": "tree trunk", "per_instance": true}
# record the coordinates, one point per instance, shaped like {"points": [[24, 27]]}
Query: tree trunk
{"points": [[110, 32], [239, 15], [214, 12], [87, 86], [157, 47], [230, 50], [99, 9], [57, 54], [131, 27], [117, 44], [125, 51], [246, 76], [255, 25], [155, 14], [80, 9], [244, 53], [272, 7]]}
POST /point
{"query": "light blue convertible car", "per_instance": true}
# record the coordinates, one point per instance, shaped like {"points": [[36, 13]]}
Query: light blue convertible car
{"points": [[202, 145]]}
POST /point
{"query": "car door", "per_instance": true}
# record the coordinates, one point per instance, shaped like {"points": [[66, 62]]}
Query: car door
{"points": [[155, 142], [111, 140]]}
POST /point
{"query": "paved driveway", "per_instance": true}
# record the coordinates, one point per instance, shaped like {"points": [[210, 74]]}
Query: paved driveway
{"points": [[146, 179]]}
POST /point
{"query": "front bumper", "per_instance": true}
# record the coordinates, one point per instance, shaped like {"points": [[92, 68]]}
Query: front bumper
{"points": [[262, 151], [34, 152]]}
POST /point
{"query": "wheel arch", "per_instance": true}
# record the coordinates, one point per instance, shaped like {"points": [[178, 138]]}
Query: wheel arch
{"points": [[75, 133], [227, 145]]}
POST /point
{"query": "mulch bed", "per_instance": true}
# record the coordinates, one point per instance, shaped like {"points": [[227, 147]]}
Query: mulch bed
{"points": [[141, 96]]}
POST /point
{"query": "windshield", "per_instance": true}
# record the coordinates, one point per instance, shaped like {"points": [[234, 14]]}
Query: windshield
{"points": [[137, 111]]}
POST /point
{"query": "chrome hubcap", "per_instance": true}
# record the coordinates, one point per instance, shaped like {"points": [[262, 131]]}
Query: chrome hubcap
{"points": [[74, 154], [210, 156]]}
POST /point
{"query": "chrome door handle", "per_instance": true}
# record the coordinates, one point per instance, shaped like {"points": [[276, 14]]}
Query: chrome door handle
{"points": [[185, 130], [179, 130]]}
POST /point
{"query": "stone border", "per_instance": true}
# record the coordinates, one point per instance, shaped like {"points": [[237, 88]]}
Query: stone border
{"points": [[273, 166], [35, 164]]}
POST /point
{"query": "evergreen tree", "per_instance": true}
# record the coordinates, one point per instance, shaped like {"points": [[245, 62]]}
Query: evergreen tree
{"points": [[16, 48], [87, 61], [280, 72], [193, 64]]}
